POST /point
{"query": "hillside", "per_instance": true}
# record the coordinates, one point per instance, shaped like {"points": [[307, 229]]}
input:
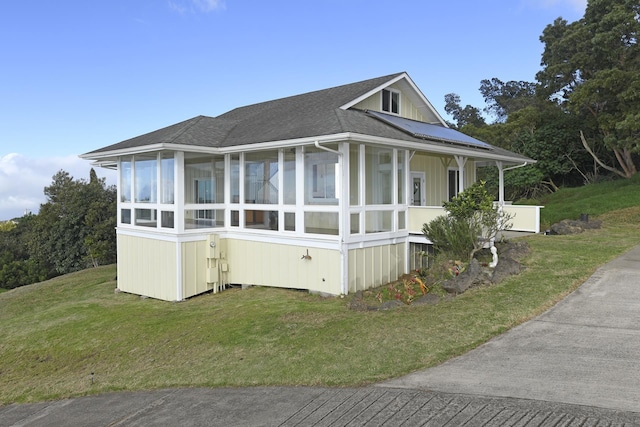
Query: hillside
{"points": [[73, 335], [593, 199]]}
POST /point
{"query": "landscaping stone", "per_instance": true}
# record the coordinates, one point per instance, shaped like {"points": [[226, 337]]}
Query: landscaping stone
{"points": [[428, 299], [506, 267], [388, 305], [569, 226], [476, 274], [464, 280]]}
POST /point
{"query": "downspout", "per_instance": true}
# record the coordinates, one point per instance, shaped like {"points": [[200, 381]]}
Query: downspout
{"points": [[501, 171], [516, 166], [344, 253], [317, 144]]}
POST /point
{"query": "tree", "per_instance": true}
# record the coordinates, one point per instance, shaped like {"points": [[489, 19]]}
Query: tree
{"points": [[100, 221], [75, 227], [463, 116], [592, 67], [505, 98], [17, 268]]}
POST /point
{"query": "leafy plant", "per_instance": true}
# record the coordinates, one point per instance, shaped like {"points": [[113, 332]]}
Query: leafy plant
{"points": [[472, 221]]}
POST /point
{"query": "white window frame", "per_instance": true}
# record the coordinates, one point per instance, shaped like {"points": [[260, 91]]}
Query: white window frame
{"points": [[392, 93]]}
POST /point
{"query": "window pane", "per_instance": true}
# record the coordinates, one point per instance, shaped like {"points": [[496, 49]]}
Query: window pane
{"points": [[204, 180], [166, 171], [321, 223], [147, 217], [125, 216], [385, 100], [354, 174], [203, 218], [378, 176], [146, 179], [125, 180], [290, 221], [167, 219], [453, 183], [235, 178], [402, 223], [395, 102], [235, 218], [378, 221], [261, 177], [322, 177], [355, 223], [263, 220], [289, 177]]}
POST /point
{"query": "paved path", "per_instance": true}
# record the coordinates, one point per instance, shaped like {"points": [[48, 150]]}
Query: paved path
{"points": [[576, 365], [585, 350], [284, 406]]}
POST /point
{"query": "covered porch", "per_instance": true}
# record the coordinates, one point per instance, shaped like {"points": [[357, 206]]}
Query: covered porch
{"points": [[526, 218]]}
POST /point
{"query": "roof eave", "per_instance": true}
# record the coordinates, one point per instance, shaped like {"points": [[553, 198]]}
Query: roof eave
{"points": [[439, 149]]}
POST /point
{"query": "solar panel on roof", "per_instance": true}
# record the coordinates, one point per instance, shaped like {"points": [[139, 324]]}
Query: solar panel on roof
{"points": [[429, 131]]}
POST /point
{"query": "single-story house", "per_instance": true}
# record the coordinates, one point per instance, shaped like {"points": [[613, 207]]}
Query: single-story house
{"points": [[325, 191]]}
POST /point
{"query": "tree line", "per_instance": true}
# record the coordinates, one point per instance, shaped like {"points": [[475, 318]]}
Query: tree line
{"points": [[74, 230], [580, 119]]}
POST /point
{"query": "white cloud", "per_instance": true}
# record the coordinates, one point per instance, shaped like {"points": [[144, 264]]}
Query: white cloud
{"points": [[183, 6], [577, 5], [22, 180]]}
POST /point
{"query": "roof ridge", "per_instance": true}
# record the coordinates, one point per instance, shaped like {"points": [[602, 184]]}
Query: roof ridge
{"points": [[194, 120], [313, 92]]}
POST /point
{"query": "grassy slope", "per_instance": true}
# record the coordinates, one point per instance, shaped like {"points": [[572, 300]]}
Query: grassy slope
{"points": [[55, 333], [569, 203]]}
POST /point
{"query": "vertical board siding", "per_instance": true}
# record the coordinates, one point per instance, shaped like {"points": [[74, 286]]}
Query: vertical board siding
{"points": [[436, 175], [150, 269], [269, 264], [375, 266], [194, 265], [407, 108]]}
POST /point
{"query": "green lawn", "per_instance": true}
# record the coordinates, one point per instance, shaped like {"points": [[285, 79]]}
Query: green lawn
{"points": [[55, 334]]}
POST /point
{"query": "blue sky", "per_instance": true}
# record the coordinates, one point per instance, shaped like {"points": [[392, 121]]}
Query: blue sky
{"points": [[79, 75]]}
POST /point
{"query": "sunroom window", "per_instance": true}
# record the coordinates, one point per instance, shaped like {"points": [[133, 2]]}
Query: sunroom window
{"points": [[204, 180], [146, 178], [322, 178], [261, 177], [379, 178]]}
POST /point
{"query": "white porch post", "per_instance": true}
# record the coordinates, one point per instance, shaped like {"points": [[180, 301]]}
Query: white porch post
{"points": [[344, 216], [501, 183], [178, 216], [461, 161]]}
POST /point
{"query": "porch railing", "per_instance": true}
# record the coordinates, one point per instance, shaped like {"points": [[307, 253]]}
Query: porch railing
{"points": [[525, 218]]}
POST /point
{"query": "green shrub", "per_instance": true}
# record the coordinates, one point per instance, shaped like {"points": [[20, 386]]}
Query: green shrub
{"points": [[450, 235], [472, 221]]}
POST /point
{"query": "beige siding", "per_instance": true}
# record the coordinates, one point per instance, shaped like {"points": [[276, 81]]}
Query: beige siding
{"points": [[420, 215], [269, 264], [436, 175], [150, 267], [407, 108], [194, 265], [525, 218], [375, 266]]}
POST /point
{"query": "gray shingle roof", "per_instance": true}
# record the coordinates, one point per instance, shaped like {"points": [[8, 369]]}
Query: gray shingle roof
{"points": [[307, 115]]}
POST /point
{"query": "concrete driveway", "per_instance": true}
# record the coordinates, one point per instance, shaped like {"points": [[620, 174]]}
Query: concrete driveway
{"points": [[585, 350]]}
